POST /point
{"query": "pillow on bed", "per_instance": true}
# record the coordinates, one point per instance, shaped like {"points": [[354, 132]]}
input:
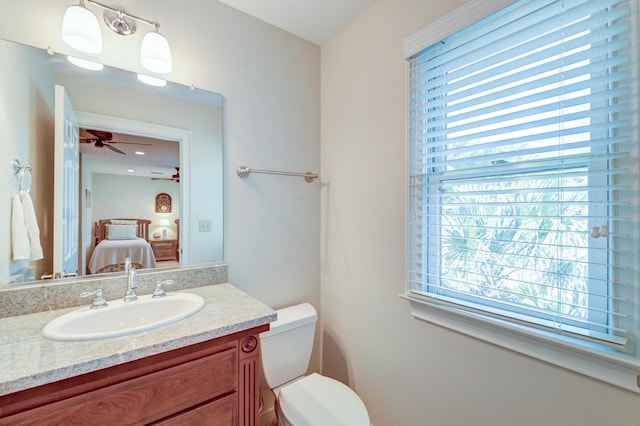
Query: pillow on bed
{"points": [[121, 232], [123, 222]]}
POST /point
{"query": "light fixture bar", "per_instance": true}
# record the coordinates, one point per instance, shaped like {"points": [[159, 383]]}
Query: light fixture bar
{"points": [[125, 14]]}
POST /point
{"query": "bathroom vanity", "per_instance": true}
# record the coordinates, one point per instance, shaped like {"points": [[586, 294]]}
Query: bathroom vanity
{"points": [[202, 370]]}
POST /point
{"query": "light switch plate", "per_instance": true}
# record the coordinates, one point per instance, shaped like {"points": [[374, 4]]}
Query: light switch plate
{"points": [[205, 226]]}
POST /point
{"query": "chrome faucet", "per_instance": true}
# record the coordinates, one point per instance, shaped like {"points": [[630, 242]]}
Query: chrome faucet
{"points": [[132, 281]]}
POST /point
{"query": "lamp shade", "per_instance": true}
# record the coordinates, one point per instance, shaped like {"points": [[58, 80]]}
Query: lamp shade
{"points": [[155, 54], [80, 30]]}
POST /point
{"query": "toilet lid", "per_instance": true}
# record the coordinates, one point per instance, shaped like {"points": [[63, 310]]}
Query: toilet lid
{"points": [[319, 400]]}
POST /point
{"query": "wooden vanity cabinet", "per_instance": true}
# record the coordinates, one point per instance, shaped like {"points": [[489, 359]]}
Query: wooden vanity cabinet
{"points": [[211, 383]]}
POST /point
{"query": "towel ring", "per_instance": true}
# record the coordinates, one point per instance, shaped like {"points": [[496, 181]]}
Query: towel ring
{"points": [[19, 170]]}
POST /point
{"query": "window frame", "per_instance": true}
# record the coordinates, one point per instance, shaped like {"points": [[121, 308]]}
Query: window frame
{"points": [[568, 352]]}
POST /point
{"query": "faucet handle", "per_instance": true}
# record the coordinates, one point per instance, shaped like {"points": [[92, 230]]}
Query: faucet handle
{"points": [[98, 301], [159, 291]]}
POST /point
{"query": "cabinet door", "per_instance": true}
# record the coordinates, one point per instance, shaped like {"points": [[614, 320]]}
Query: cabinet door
{"points": [[221, 412], [144, 399]]}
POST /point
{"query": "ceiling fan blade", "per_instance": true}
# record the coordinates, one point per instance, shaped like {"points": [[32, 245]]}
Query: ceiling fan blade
{"points": [[173, 180], [114, 149], [100, 134], [88, 140], [132, 143]]}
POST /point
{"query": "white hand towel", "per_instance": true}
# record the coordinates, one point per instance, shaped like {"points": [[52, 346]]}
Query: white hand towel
{"points": [[19, 237], [31, 223]]}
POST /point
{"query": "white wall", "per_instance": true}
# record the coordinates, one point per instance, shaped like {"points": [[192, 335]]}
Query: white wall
{"points": [[409, 372], [116, 196]]}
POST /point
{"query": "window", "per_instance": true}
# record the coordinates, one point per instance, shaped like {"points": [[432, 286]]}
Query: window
{"points": [[523, 178]]}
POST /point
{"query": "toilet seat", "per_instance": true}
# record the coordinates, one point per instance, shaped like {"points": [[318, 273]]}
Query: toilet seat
{"points": [[320, 400]]}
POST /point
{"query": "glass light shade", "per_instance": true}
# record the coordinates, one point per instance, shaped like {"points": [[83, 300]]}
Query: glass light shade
{"points": [[83, 63], [153, 81], [155, 54], [80, 30]]}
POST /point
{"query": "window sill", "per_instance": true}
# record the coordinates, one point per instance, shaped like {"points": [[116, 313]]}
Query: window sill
{"points": [[572, 354]]}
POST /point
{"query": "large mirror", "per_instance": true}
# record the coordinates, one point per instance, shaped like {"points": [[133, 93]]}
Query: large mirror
{"points": [[148, 155]]}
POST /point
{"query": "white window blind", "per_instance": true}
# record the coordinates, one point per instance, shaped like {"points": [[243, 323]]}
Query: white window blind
{"points": [[523, 161]]}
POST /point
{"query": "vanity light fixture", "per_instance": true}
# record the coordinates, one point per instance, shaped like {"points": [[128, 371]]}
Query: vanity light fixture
{"points": [[81, 31], [155, 54]]}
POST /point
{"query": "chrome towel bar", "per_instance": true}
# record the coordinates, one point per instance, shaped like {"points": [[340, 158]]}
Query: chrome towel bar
{"points": [[244, 171]]}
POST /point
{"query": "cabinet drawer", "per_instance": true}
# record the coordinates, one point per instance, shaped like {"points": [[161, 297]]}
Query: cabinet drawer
{"points": [[144, 399], [163, 246], [221, 412], [164, 249]]}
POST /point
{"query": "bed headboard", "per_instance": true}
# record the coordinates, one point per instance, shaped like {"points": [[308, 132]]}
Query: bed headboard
{"points": [[100, 230]]}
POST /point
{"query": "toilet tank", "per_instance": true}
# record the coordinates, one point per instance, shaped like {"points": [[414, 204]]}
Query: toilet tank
{"points": [[286, 348]]}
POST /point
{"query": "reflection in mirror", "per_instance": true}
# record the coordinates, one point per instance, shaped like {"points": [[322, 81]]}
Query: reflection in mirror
{"points": [[113, 110], [117, 169]]}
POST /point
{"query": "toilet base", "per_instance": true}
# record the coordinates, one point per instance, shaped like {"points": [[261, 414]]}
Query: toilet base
{"points": [[318, 400]]}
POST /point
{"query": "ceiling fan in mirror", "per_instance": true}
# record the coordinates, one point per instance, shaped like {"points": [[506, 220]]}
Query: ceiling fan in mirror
{"points": [[102, 139], [174, 177]]}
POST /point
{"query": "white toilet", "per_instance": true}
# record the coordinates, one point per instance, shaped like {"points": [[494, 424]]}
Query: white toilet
{"points": [[304, 400]]}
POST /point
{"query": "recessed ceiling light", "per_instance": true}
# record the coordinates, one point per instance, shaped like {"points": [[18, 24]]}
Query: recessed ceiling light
{"points": [[131, 171], [139, 153]]}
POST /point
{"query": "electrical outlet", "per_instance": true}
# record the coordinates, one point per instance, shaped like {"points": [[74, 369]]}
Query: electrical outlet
{"points": [[205, 226]]}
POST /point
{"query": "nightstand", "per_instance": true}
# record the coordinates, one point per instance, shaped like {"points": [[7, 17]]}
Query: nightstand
{"points": [[165, 249]]}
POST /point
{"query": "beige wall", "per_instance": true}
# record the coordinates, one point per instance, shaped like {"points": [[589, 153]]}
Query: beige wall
{"points": [[407, 371]]}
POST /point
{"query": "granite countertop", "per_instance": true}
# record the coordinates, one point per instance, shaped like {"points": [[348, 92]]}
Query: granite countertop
{"points": [[29, 360]]}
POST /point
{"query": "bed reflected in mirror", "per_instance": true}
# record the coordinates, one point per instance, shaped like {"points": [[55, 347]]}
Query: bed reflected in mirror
{"points": [[118, 239]]}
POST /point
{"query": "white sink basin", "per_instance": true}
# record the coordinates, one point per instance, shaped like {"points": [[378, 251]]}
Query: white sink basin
{"points": [[121, 318]]}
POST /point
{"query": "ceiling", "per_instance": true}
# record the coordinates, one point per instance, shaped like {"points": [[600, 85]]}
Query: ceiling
{"points": [[313, 20], [159, 160]]}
